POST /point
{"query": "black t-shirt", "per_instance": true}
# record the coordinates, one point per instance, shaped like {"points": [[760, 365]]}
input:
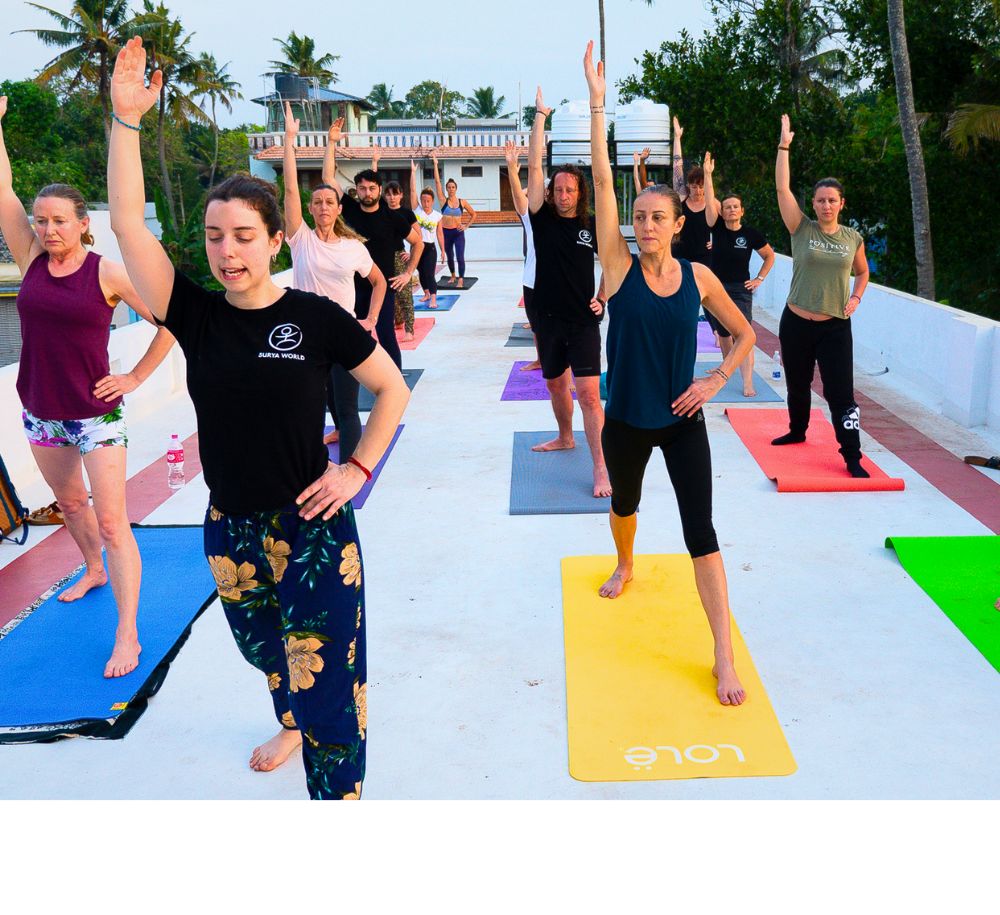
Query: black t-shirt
{"points": [[731, 251], [384, 230], [695, 235], [257, 378], [564, 266]]}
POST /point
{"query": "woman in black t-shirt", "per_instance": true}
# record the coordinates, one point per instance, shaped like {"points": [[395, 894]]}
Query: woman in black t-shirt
{"points": [[280, 536], [732, 244]]}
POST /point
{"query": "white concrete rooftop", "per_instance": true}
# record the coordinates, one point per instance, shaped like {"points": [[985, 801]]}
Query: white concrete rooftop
{"points": [[879, 695]]}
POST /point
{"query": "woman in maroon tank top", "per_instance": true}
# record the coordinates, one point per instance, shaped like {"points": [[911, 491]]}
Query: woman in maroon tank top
{"points": [[72, 403]]}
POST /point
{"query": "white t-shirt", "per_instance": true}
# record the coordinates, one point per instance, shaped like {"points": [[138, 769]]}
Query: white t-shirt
{"points": [[428, 224], [529, 260], [328, 268]]}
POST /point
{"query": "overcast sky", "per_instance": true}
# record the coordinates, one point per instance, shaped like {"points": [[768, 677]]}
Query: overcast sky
{"points": [[464, 43]]}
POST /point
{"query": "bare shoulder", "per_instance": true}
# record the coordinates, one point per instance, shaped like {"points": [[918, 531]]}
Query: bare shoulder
{"points": [[705, 279], [114, 280]]}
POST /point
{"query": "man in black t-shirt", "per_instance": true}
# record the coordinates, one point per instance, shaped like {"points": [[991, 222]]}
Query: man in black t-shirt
{"points": [[568, 312], [385, 231]]}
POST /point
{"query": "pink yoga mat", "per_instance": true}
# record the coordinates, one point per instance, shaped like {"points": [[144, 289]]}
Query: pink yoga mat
{"points": [[421, 328], [813, 466]]}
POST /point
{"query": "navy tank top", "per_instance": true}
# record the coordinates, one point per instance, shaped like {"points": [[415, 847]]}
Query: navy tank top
{"points": [[652, 343]]}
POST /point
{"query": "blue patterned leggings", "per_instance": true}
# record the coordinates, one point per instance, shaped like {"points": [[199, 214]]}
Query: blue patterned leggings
{"points": [[293, 596]]}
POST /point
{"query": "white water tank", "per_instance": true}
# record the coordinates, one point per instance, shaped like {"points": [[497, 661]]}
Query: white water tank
{"points": [[644, 123], [570, 134]]}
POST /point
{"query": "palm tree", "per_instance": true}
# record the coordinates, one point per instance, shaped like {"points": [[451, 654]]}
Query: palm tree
{"points": [[482, 103], [969, 124], [217, 86], [384, 104], [167, 50], [90, 36], [919, 200], [300, 59]]}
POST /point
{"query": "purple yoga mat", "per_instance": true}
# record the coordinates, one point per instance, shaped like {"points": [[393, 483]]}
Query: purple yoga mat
{"points": [[706, 339], [362, 496], [525, 385]]}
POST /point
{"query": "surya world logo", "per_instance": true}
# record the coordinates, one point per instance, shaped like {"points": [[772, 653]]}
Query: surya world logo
{"points": [[586, 237], [285, 337]]}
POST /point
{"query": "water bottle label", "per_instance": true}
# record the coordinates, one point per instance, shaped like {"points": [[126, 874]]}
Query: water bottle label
{"points": [[175, 457]]}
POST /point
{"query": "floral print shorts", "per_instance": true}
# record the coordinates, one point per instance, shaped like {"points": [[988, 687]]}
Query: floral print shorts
{"points": [[86, 434]]}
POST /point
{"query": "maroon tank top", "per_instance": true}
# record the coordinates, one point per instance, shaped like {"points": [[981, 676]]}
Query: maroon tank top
{"points": [[65, 330]]}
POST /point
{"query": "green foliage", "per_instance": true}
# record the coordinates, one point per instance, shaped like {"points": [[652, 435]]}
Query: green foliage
{"points": [[484, 103], [425, 100], [300, 59]]}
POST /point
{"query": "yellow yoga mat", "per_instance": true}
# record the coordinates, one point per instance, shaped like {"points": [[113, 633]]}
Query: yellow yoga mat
{"points": [[640, 693]]}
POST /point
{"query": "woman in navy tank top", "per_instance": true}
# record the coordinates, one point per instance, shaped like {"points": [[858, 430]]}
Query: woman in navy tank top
{"points": [[653, 303], [73, 416]]}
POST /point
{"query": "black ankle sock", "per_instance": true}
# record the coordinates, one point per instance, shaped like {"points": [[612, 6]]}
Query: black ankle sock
{"points": [[855, 469], [789, 438]]}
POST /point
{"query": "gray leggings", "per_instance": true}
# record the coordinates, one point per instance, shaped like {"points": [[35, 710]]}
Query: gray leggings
{"points": [[342, 401]]}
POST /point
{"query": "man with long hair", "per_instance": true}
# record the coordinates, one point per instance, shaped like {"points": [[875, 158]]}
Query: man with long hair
{"points": [[567, 310]]}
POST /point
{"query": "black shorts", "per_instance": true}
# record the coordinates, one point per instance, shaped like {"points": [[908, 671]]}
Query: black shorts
{"points": [[529, 305], [563, 345], [742, 298]]}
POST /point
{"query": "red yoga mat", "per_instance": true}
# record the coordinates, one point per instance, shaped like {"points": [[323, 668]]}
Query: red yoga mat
{"points": [[813, 466], [421, 328]]}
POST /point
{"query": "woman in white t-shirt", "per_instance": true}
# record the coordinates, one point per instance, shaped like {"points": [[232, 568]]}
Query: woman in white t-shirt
{"points": [[432, 235], [325, 260]]}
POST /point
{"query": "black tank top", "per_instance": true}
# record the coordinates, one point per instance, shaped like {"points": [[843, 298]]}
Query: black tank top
{"points": [[694, 237]]}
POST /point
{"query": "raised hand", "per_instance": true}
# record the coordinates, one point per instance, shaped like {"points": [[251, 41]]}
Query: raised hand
{"points": [[678, 130], [336, 131], [644, 155], [708, 165], [540, 103], [434, 154], [291, 123], [131, 98], [376, 155], [595, 77], [510, 153], [786, 131], [635, 158]]}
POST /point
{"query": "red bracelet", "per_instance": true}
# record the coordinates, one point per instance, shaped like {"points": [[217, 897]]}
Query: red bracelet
{"points": [[358, 464]]}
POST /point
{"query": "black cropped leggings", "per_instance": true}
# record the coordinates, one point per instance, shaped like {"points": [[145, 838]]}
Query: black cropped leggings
{"points": [[689, 463], [805, 343], [342, 390], [426, 267]]}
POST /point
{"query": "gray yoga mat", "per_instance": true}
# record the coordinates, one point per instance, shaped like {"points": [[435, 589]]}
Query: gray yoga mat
{"points": [[520, 336], [732, 392], [366, 400], [554, 482]]}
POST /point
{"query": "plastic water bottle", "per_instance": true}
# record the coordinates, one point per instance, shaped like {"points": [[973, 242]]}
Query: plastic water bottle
{"points": [[776, 371], [175, 463]]}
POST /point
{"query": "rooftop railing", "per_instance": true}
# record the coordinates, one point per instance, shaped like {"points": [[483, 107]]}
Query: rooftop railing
{"points": [[385, 140]]}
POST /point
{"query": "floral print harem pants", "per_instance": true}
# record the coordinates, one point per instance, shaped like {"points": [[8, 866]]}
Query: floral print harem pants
{"points": [[293, 595]]}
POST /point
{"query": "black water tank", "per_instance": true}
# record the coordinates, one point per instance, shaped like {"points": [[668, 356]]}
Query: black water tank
{"points": [[289, 86]]}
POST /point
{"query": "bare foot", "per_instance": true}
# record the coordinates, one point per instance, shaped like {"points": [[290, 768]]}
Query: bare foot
{"points": [[602, 485], [433, 305], [124, 657], [526, 326], [87, 581], [748, 391], [730, 690], [461, 283], [614, 586], [272, 754], [331, 437], [407, 338], [425, 298], [557, 444], [531, 366]]}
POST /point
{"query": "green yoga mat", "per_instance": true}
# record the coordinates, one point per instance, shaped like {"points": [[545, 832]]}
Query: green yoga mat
{"points": [[962, 576]]}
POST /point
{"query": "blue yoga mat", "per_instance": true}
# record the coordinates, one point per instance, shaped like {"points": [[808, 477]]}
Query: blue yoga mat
{"points": [[553, 482], [334, 451], [53, 662], [444, 303], [520, 336], [732, 391], [366, 400]]}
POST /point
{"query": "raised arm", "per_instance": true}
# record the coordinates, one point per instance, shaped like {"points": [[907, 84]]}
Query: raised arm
{"points": [[514, 178], [147, 263], [14, 222], [611, 245], [293, 200], [536, 149], [791, 213], [442, 196], [376, 155], [643, 176], [680, 185], [711, 204], [414, 193], [330, 155], [636, 179]]}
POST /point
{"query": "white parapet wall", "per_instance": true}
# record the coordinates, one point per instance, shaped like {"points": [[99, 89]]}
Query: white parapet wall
{"points": [[944, 357], [128, 344]]}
